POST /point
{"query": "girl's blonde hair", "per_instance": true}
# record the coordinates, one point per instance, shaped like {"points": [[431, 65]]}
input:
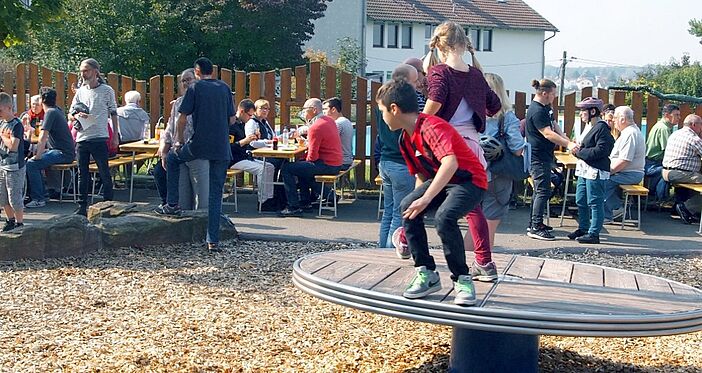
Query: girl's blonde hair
{"points": [[498, 86], [447, 36]]}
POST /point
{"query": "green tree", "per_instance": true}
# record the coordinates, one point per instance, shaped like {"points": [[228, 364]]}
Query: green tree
{"points": [[677, 77], [16, 19], [695, 28], [350, 56], [142, 38]]}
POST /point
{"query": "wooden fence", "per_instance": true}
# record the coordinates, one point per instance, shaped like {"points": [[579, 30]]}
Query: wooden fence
{"points": [[290, 87]]}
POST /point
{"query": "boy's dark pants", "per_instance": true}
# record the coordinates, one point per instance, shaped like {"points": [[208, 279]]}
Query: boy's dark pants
{"points": [[451, 204]]}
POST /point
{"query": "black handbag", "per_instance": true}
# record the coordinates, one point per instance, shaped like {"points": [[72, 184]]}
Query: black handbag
{"points": [[508, 165]]}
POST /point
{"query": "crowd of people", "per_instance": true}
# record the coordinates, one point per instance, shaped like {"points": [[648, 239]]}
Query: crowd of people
{"points": [[445, 132]]}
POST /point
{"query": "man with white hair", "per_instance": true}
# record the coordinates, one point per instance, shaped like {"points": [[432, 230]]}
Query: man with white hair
{"points": [[682, 162], [324, 157], [627, 161], [132, 118]]}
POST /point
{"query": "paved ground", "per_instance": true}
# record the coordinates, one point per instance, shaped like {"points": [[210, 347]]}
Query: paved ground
{"points": [[660, 235]]}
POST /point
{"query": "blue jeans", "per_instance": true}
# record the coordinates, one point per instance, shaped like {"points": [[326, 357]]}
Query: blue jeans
{"points": [[613, 200], [589, 196], [397, 184], [218, 173], [34, 167], [305, 172], [656, 185]]}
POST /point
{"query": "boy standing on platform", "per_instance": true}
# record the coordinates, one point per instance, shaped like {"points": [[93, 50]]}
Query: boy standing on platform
{"points": [[450, 180], [12, 170]]}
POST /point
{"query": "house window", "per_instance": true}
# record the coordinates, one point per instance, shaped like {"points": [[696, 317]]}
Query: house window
{"points": [[393, 36], [487, 41], [378, 35], [388, 75], [475, 38], [429, 31], [407, 36]]}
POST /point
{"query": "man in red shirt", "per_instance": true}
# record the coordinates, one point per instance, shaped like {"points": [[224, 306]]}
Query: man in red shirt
{"points": [[450, 180], [324, 157]]}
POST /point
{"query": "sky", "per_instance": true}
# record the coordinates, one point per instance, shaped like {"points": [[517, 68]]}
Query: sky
{"points": [[622, 32]]}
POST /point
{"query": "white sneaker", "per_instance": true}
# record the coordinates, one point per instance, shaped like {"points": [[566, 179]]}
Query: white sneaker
{"points": [[35, 204]]}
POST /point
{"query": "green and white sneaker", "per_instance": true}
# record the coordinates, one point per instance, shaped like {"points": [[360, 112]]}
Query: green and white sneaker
{"points": [[424, 283], [465, 291]]}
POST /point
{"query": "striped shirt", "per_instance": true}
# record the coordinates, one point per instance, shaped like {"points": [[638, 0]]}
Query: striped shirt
{"points": [[684, 151]]}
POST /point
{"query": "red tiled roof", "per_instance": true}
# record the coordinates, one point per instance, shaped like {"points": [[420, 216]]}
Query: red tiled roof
{"points": [[507, 14]]}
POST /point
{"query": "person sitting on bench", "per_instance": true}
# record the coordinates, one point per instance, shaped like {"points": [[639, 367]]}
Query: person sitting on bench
{"points": [[682, 162]]}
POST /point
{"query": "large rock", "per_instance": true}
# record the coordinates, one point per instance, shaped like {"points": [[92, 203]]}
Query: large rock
{"points": [[64, 236], [147, 228]]}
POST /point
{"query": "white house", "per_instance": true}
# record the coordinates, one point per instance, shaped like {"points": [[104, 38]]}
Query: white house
{"points": [[509, 36]]}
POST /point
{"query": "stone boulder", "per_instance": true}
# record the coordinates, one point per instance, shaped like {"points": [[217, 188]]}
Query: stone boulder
{"points": [[63, 236], [122, 224]]}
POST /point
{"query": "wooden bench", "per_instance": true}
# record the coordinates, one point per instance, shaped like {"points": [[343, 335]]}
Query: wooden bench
{"points": [[119, 162], [695, 188], [72, 169], [334, 180], [638, 191], [379, 183], [532, 296], [233, 174]]}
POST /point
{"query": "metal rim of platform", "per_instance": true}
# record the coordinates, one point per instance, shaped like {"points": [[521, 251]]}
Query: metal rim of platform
{"points": [[496, 320]]}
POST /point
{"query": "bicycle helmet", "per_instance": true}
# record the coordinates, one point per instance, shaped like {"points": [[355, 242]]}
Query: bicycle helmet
{"points": [[491, 147], [589, 103]]}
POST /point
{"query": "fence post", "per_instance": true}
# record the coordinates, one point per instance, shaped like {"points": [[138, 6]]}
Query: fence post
{"points": [[154, 100], [239, 85], [603, 95], [21, 88], [520, 104], [300, 84], [346, 94], [255, 85], [168, 96], [8, 81], [46, 78], [60, 88], [269, 94], [226, 77], [568, 114], [285, 95], [619, 98], [72, 81], [361, 110], [652, 107], [330, 82], [685, 110], [315, 80], [375, 86], [126, 85], [637, 106], [33, 79]]}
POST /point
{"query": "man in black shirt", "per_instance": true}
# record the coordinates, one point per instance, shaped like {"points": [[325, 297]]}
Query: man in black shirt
{"points": [[543, 135]]}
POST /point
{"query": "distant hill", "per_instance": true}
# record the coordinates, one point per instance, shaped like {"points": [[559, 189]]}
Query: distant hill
{"points": [[596, 76]]}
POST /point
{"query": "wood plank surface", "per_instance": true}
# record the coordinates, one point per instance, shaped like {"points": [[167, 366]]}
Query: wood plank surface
{"points": [[337, 271], [532, 296], [314, 264], [396, 283], [556, 270], [684, 290], [584, 274], [369, 276], [650, 283], [620, 279], [526, 267]]}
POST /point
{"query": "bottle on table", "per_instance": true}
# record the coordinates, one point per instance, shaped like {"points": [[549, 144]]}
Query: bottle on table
{"points": [[275, 142], [285, 136], [147, 133]]}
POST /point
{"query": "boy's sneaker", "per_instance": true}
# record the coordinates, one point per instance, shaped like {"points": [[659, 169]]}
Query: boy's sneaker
{"points": [[541, 234], [485, 273], [35, 204], [541, 226], [168, 210], [589, 238], [424, 283], [9, 225], [465, 291], [400, 242]]}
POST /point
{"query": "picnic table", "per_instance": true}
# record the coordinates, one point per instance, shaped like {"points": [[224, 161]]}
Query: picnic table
{"points": [[289, 152], [138, 147], [532, 296]]}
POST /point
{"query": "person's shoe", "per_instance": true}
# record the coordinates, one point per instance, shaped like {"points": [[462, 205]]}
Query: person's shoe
{"points": [[309, 207], [618, 213], [685, 214], [400, 242], [54, 194], [269, 206], [465, 291], [544, 227], [168, 210], [484, 273], [290, 212], [213, 247], [9, 225], [589, 238], [424, 283], [81, 210], [541, 234], [35, 204], [577, 233]]}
